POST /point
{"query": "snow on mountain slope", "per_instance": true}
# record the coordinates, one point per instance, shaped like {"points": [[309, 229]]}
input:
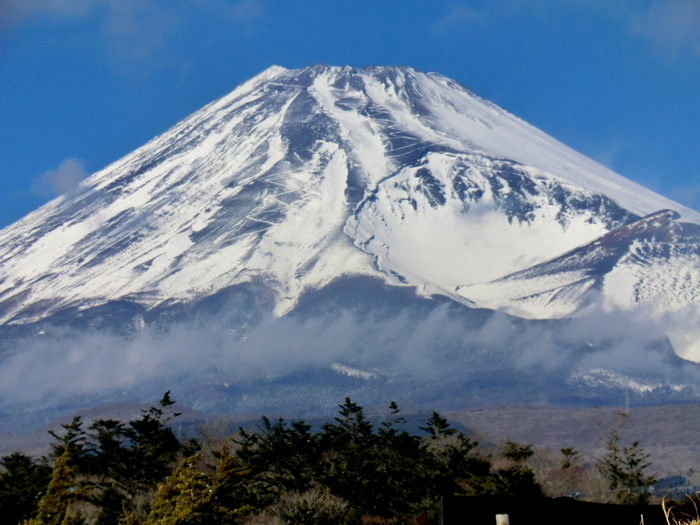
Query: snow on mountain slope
{"points": [[222, 196], [287, 176], [654, 261], [451, 219]]}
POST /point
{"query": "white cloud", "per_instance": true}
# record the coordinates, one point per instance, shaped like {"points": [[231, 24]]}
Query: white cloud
{"points": [[16, 11], [672, 24], [61, 180], [457, 17], [462, 16], [424, 345], [138, 35]]}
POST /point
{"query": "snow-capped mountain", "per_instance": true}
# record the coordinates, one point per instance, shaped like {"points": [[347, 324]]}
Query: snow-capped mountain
{"points": [[301, 180], [303, 176]]}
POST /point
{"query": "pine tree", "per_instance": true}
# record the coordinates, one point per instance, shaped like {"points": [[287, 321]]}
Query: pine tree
{"points": [[623, 467], [453, 469], [184, 497], [118, 464], [130, 459], [279, 456], [399, 459], [512, 475], [72, 441], [437, 427], [230, 495], [22, 482], [348, 468], [55, 507]]}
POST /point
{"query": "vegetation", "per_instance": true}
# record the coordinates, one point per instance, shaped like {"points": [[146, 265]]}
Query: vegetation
{"points": [[677, 516], [623, 468], [348, 471]]}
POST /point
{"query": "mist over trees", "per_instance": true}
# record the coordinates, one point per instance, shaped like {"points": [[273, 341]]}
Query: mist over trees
{"points": [[350, 470]]}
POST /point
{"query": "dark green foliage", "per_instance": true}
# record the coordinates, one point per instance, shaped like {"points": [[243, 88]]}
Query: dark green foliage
{"points": [[511, 473], [623, 468], [385, 473], [455, 470], [72, 442], [400, 468], [348, 462], [437, 427], [111, 466], [279, 457], [515, 480], [126, 460], [347, 472], [22, 482]]}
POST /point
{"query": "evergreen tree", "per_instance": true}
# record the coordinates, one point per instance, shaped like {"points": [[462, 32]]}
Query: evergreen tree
{"points": [[72, 442], [56, 505], [230, 495], [399, 459], [348, 468], [193, 495], [152, 444], [437, 427], [623, 467], [184, 497], [570, 459], [119, 464], [22, 483], [513, 475], [279, 457], [517, 451], [454, 469]]}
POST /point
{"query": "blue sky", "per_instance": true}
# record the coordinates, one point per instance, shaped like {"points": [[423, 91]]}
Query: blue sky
{"points": [[84, 82]]}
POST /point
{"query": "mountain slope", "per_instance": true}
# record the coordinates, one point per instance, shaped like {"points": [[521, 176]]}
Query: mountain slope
{"points": [[284, 178], [653, 261]]}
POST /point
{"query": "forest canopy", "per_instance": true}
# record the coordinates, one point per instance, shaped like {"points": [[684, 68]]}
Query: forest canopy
{"points": [[349, 470]]}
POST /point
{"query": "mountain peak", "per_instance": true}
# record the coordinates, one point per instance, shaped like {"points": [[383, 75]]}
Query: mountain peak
{"points": [[300, 176]]}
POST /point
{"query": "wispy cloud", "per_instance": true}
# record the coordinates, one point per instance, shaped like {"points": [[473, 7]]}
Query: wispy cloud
{"points": [[137, 32], [61, 180], [674, 25], [433, 345], [671, 25], [138, 35], [17, 11], [458, 16]]}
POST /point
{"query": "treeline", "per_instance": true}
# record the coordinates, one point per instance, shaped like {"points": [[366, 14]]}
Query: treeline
{"points": [[347, 471]]}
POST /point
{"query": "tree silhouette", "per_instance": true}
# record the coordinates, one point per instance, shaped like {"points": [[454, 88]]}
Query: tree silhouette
{"points": [[623, 467]]}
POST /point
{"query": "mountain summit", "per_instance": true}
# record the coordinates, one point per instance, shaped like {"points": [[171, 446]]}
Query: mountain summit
{"points": [[299, 177], [301, 180]]}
